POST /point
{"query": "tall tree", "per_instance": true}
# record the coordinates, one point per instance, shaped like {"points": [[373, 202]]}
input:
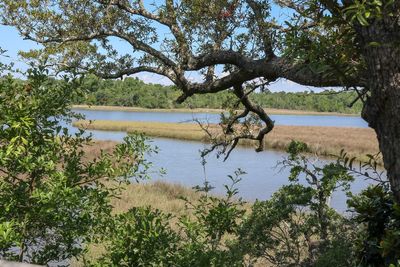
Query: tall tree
{"points": [[233, 44]]}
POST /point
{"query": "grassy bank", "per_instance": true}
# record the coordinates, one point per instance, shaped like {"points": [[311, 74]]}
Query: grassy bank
{"points": [[208, 110], [322, 140]]}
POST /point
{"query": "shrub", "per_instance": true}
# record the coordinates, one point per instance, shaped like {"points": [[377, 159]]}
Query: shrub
{"points": [[54, 197], [297, 227], [203, 237]]}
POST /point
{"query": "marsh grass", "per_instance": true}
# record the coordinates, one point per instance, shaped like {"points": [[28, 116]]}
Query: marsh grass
{"points": [[325, 141]]}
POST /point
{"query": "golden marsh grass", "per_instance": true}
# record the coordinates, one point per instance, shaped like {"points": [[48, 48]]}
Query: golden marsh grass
{"points": [[322, 140]]}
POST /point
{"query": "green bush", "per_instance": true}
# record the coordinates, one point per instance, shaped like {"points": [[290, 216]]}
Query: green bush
{"points": [[378, 216], [139, 237], [53, 196], [203, 237], [297, 227]]}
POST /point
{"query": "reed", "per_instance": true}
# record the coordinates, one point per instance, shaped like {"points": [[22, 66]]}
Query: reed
{"points": [[322, 140]]}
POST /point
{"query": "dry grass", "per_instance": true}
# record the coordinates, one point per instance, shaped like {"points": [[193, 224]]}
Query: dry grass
{"points": [[273, 111], [326, 140], [93, 150], [160, 195], [322, 140]]}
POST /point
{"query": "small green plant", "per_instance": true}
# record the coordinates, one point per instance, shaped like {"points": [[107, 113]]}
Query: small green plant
{"points": [[211, 229], [375, 212], [378, 217]]}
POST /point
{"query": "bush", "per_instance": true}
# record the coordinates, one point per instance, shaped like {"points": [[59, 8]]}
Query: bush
{"points": [[203, 237], [378, 216], [54, 197], [140, 237], [297, 227]]}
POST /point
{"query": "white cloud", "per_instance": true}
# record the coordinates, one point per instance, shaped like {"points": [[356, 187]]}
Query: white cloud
{"points": [[148, 77], [289, 86]]}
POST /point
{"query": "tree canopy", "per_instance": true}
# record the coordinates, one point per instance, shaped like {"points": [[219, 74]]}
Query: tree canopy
{"points": [[132, 92]]}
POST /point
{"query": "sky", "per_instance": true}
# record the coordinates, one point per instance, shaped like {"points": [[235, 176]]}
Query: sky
{"points": [[12, 42]]}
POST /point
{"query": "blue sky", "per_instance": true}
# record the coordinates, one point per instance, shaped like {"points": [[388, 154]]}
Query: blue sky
{"points": [[12, 42]]}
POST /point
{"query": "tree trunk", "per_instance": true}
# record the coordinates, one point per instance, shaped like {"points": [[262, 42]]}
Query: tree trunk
{"points": [[382, 108]]}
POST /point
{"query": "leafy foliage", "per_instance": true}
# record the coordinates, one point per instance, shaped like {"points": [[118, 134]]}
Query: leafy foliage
{"points": [[379, 214], [140, 237], [145, 237], [4, 67], [297, 226], [53, 196]]}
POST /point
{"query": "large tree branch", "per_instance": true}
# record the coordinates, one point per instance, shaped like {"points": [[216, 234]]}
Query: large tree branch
{"points": [[135, 43], [271, 69], [235, 78], [130, 71], [168, 20]]}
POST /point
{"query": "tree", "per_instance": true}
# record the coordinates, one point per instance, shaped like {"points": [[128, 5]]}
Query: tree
{"points": [[54, 195], [350, 43]]}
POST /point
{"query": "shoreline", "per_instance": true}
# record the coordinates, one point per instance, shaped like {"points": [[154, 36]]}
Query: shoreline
{"points": [[270, 111], [325, 141]]}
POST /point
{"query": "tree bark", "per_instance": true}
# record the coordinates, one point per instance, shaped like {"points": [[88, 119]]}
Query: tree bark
{"points": [[381, 52]]}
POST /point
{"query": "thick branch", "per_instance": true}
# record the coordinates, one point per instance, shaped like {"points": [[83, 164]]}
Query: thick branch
{"points": [[135, 43], [126, 72], [169, 20]]}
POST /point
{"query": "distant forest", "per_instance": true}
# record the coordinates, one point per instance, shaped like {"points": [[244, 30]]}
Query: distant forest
{"points": [[132, 92]]}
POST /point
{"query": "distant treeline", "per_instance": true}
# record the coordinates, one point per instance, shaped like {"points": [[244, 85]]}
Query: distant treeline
{"points": [[132, 92]]}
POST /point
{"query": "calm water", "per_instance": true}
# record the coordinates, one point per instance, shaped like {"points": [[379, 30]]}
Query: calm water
{"points": [[182, 161], [298, 120]]}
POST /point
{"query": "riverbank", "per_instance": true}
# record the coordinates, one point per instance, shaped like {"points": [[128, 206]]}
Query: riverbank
{"points": [[324, 141], [270, 111]]}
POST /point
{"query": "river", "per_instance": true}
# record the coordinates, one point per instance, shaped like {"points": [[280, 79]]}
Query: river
{"points": [[296, 120], [182, 161]]}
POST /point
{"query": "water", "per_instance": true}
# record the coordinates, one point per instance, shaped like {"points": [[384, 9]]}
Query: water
{"points": [[182, 161], [296, 120]]}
